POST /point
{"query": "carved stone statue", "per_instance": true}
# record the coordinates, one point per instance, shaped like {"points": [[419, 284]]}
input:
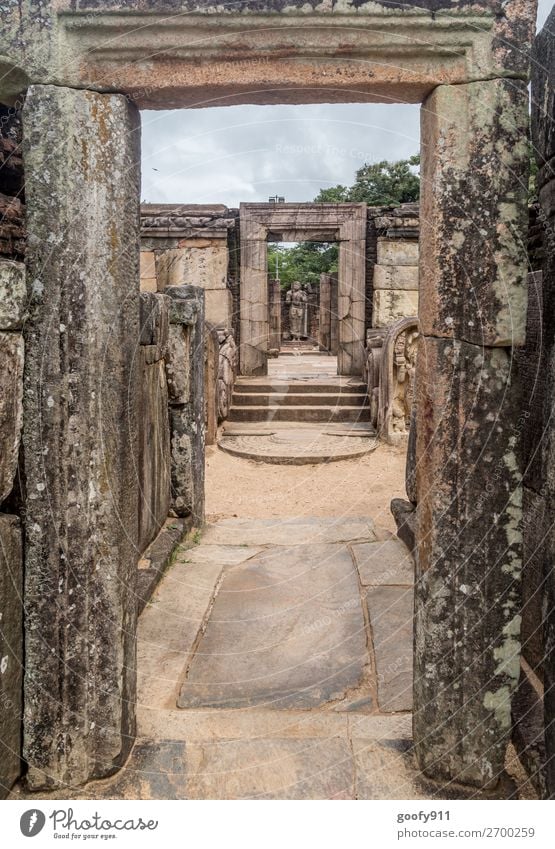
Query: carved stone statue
{"points": [[296, 300]]}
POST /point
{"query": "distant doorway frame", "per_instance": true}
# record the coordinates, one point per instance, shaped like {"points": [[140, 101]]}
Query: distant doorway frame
{"points": [[344, 223]]}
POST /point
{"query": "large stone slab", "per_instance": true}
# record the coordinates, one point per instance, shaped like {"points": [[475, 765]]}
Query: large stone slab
{"points": [[385, 562], [396, 276], [154, 451], [391, 611], [298, 531], [13, 294], [474, 215], [386, 770], [467, 618], [168, 628], [392, 304], [271, 769], [11, 650], [11, 407], [80, 442], [397, 252], [286, 631]]}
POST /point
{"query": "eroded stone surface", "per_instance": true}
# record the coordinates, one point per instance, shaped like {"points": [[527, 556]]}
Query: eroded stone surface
{"points": [[13, 295], [299, 531], [185, 374], [391, 618], [154, 452], [11, 407], [286, 630], [473, 261], [386, 770], [387, 562], [11, 650], [271, 769], [80, 438], [468, 570]]}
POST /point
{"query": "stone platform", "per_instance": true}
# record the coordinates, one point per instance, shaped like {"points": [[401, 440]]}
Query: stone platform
{"points": [[302, 412], [292, 444]]}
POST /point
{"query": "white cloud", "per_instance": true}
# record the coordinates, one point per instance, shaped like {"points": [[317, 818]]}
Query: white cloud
{"points": [[247, 153]]}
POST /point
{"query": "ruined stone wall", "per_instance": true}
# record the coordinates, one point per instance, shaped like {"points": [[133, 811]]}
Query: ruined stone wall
{"points": [[395, 274], [391, 264], [188, 245]]}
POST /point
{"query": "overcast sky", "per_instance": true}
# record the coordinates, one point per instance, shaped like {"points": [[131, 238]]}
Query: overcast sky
{"points": [[248, 153]]}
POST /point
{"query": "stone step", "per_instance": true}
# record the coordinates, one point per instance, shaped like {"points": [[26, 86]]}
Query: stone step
{"points": [[270, 413], [308, 387], [256, 399]]}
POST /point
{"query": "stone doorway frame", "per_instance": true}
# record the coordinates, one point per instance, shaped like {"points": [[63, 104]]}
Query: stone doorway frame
{"points": [[468, 64], [344, 224]]}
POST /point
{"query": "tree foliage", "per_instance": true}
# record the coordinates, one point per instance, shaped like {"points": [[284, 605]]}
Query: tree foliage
{"points": [[380, 184], [304, 261]]}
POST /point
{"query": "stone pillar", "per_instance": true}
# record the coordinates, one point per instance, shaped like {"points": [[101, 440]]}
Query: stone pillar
{"points": [[468, 537], [185, 373], [211, 367], [254, 307], [324, 332], [543, 133], [334, 318], [351, 295], [274, 308], [81, 390]]}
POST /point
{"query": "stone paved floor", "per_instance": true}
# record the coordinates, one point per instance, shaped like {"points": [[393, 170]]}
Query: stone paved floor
{"points": [[274, 662]]}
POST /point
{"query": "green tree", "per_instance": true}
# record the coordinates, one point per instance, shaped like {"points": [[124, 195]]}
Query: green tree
{"points": [[381, 184], [304, 261]]}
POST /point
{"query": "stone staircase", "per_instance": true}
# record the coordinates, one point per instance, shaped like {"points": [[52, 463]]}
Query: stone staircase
{"points": [[311, 401]]}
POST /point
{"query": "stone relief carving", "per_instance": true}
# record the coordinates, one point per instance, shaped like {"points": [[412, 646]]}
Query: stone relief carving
{"points": [[227, 371], [390, 375]]}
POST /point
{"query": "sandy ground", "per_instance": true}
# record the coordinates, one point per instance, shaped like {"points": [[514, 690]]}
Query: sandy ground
{"points": [[360, 487]]}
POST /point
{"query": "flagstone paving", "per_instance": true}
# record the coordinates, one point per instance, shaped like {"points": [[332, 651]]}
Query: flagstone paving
{"points": [[274, 662]]}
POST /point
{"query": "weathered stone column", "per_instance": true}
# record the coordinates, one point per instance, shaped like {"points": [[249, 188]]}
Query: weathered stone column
{"points": [[81, 395], [351, 294], [254, 303], [274, 309], [543, 133], [468, 538], [324, 330], [185, 373]]}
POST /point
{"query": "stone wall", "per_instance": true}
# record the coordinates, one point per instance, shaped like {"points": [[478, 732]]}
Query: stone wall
{"points": [[187, 245], [391, 263], [13, 302], [395, 275]]}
